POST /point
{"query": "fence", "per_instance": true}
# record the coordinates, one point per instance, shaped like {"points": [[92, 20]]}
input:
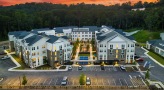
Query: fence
{"points": [[74, 87]]}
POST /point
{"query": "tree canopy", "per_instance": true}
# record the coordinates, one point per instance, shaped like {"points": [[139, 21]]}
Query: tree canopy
{"points": [[40, 15]]}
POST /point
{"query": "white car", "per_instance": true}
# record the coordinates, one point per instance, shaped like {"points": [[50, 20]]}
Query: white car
{"points": [[122, 67], [5, 57], [1, 79], [70, 68], [64, 81], [88, 81]]}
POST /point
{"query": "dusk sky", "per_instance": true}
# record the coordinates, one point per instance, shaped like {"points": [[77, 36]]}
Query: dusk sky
{"points": [[105, 2]]}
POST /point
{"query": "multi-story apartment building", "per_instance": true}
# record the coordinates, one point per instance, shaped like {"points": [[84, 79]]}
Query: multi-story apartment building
{"points": [[114, 45], [52, 46], [33, 47], [84, 33]]}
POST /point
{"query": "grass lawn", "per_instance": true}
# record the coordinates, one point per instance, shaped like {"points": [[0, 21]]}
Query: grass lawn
{"points": [[156, 57], [44, 67], [84, 54], [145, 35], [23, 65]]}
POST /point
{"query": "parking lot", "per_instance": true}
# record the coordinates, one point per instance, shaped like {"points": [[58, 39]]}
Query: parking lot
{"points": [[73, 81]]}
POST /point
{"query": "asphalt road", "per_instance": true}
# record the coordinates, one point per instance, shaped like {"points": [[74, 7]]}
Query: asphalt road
{"points": [[110, 76], [156, 72]]}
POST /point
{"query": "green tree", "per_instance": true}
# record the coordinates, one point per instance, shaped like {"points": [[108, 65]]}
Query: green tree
{"points": [[24, 81], [147, 74], [82, 79]]}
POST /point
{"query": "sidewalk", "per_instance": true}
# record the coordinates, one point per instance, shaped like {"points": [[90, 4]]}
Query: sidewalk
{"points": [[152, 58]]}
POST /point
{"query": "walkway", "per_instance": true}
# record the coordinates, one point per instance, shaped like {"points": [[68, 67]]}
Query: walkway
{"points": [[131, 33], [77, 52]]}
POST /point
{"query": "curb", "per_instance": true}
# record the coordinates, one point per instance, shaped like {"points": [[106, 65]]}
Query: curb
{"points": [[152, 57]]}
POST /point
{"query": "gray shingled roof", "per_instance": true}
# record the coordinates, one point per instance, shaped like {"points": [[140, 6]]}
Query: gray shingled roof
{"points": [[157, 43], [16, 33], [33, 39], [91, 28], [41, 29], [23, 34], [108, 35], [52, 39], [60, 29]]}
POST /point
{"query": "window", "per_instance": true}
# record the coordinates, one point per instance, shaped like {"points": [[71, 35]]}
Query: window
{"points": [[123, 46], [131, 50], [86, 32], [38, 53], [128, 45], [101, 45], [104, 50], [89, 35], [127, 50], [111, 46], [101, 50], [43, 46], [101, 57], [132, 45], [122, 56], [111, 51], [131, 56], [122, 51], [37, 47], [38, 60]]}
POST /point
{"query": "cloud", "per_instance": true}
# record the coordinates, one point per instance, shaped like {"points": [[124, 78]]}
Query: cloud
{"points": [[105, 2]]}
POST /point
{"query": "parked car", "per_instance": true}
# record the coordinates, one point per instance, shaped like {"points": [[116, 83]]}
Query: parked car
{"points": [[80, 67], [102, 68], [5, 57], [64, 81], [135, 56], [139, 59], [88, 81], [70, 68], [122, 67], [3, 53]]}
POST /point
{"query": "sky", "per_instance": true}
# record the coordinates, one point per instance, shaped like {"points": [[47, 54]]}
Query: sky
{"points": [[104, 2]]}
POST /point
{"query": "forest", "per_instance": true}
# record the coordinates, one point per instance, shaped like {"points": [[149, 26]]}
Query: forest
{"points": [[47, 15]]}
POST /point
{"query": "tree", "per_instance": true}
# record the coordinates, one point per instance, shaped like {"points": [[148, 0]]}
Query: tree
{"points": [[147, 75], [87, 47], [24, 82], [82, 79]]}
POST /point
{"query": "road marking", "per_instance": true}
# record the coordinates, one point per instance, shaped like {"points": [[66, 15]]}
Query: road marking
{"points": [[120, 81], [102, 81], [120, 69], [50, 82], [126, 82], [56, 81], [96, 81], [39, 81], [108, 82], [114, 82], [109, 68], [73, 82], [130, 76], [132, 82], [44, 81]]}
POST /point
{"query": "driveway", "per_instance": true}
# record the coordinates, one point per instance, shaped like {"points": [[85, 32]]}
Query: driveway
{"points": [[156, 72]]}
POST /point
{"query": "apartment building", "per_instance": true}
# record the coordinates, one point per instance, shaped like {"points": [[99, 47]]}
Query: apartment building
{"points": [[156, 46], [112, 44], [33, 47], [58, 50], [84, 33]]}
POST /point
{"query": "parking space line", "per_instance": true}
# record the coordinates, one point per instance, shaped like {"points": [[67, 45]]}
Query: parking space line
{"points": [[96, 81], [103, 82], [132, 82], [114, 81], [50, 81], [120, 81], [39, 81], [108, 82], [120, 69], [130, 76], [44, 81], [56, 81], [126, 82]]}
